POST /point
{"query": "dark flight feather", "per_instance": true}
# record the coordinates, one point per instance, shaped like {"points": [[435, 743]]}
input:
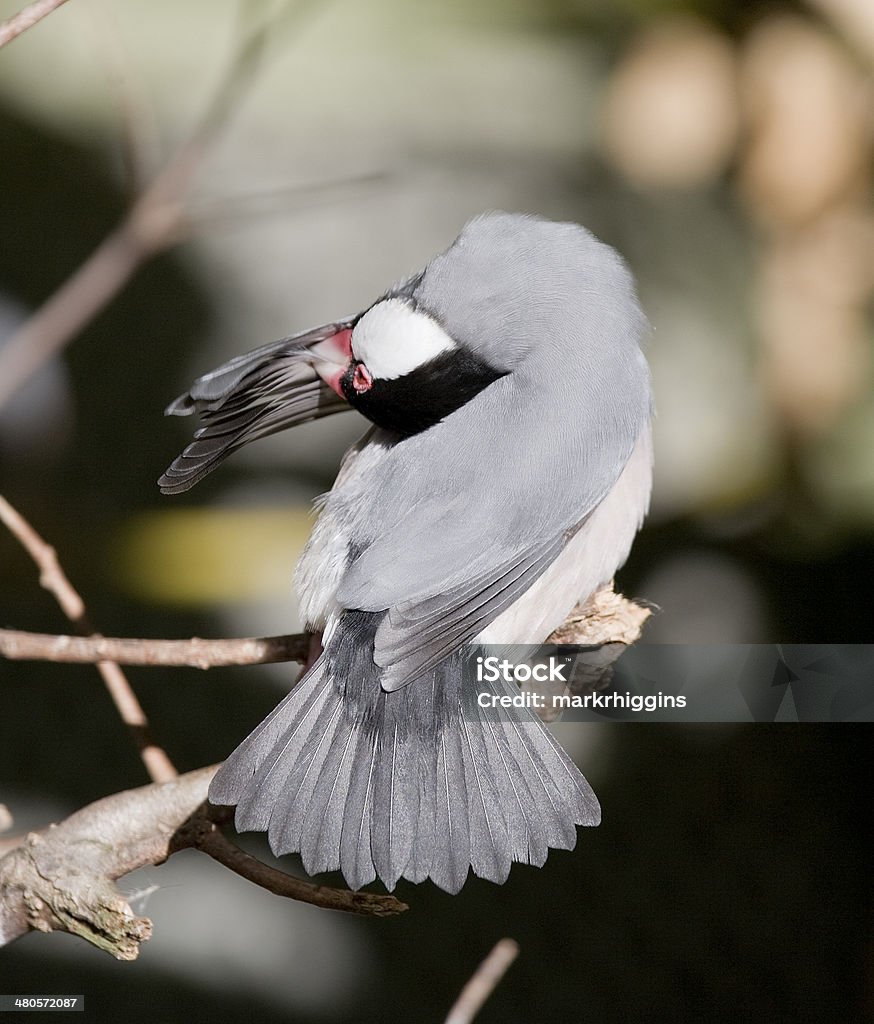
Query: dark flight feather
{"points": [[249, 397]]}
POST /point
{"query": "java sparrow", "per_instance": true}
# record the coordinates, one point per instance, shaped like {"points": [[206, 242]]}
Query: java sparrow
{"points": [[506, 473]]}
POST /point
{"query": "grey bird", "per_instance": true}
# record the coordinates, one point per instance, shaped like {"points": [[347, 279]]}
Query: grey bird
{"points": [[504, 478]]}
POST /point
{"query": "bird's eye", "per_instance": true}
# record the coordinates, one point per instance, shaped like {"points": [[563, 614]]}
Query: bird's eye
{"points": [[361, 379]]}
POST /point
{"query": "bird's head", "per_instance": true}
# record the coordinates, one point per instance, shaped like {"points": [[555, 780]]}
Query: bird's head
{"points": [[514, 295], [508, 288], [400, 368]]}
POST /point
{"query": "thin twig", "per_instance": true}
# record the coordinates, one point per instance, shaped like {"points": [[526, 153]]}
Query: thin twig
{"points": [[135, 115], [155, 221], [25, 19], [484, 981], [51, 575], [222, 210], [220, 848], [18, 645], [53, 578]]}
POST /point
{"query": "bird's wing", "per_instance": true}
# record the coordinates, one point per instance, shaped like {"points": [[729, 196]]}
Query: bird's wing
{"points": [[416, 635], [490, 497], [249, 397]]}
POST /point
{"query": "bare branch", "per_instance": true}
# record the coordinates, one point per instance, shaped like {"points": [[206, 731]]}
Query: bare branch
{"points": [[155, 221], [51, 575], [25, 19], [62, 878], [194, 653], [609, 618], [484, 981], [53, 578], [222, 210]]}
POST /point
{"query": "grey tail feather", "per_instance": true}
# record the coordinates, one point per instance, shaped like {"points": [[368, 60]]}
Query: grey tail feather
{"points": [[420, 783], [422, 852], [452, 857], [395, 789], [490, 853], [356, 859]]}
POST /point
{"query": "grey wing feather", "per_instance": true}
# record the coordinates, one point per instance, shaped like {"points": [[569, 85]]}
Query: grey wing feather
{"points": [[406, 649], [219, 383], [247, 398], [273, 410]]}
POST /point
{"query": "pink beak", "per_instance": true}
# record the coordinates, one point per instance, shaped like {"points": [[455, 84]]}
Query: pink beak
{"points": [[331, 358]]}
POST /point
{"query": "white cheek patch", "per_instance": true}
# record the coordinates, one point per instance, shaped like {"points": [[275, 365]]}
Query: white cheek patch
{"points": [[391, 339]]}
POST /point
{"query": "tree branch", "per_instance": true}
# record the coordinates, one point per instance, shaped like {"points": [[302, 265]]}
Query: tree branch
{"points": [[52, 578], [608, 618], [484, 981], [194, 653], [25, 19], [62, 878]]}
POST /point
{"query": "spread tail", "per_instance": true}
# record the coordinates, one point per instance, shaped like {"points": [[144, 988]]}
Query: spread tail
{"points": [[416, 783]]}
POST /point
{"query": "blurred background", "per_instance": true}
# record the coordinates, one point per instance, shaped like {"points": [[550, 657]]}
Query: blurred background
{"points": [[725, 148]]}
